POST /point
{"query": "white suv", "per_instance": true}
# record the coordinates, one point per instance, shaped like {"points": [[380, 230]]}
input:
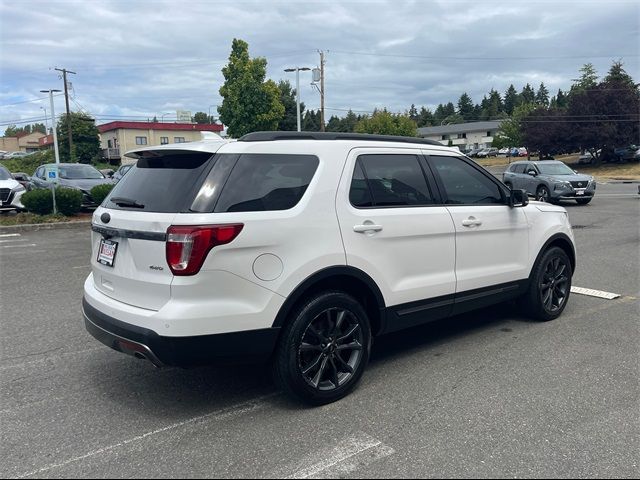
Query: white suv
{"points": [[301, 247]]}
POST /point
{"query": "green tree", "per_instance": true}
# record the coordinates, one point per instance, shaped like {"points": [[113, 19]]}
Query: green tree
{"points": [[311, 121], [562, 100], [349, 122], [86, 140], [289, 121], [511, 99], [201, 118], [13, 131], [413, 113], [510, 132], [465, 107], [383, 122], [542, 96], [587, 80], [249, 102], [617, 74], [528, 95], [425, 118], [334, 124]]}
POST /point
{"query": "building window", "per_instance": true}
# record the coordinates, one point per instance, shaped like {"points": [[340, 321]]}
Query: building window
{"points": [[178, 140], [164, 140], [489, 134], [445, 137], [462, 135], [141, 140], [109, 144]]}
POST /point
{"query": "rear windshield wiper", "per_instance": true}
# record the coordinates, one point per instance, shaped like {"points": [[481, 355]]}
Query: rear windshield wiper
{"points": [[126, 202]]}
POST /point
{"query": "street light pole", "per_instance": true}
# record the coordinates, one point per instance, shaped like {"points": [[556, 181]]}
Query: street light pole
{"points": [[210, 117], [46, 120], [297, 70], [53, 123]]}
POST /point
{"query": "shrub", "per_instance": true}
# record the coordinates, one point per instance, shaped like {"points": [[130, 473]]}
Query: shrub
{"points": [[68, 200], [38, 201], [30, 163], [99, 192]]}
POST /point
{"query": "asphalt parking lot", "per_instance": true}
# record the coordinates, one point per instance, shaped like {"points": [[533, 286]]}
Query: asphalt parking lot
{"points": [[488, 394]]}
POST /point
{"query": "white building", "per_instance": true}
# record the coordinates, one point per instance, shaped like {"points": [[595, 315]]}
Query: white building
{"points": [[465, 136]]}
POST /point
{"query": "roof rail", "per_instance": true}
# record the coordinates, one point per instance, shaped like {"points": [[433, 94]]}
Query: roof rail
{"points": [[273, 136]]}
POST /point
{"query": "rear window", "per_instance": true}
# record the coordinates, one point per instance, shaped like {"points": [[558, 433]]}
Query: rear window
{"points": [[263, 182], [165, 184]]}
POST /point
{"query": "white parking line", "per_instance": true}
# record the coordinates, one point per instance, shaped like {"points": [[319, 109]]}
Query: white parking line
{"points": [[19, 246], [5, 235], [225, 413], [82, 266], [12, 240], [342, 459], [594, 293]]}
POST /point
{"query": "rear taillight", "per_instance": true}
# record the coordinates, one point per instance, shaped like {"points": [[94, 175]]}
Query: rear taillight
{"points": [[187, 247]]}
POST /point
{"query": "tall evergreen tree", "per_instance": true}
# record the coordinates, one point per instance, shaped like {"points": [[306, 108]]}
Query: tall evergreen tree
{"points": [[562, 100], [465, 107], [617, 74], [413, 113], [289, 121], [528, 95], [542, 96], [425, 118], [588, 78], [511, 99]]}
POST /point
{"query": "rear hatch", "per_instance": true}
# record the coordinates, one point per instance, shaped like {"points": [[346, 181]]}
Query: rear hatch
{"points": [[129, 229]]}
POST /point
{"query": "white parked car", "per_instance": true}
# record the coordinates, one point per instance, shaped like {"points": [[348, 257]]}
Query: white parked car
{"points": [[300, 248], [10, 191]]}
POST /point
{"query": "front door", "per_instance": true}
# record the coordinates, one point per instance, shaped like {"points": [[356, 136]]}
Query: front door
{"points": [[492, 239]]}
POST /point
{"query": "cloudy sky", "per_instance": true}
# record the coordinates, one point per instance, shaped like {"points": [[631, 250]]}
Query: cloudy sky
{"points": [[137, 59]]}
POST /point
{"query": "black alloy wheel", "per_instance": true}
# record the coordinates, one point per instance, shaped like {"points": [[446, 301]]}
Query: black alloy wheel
{"points": [[549, 286], [554, 284], [542, 195], [331, 349], [323, 349]]}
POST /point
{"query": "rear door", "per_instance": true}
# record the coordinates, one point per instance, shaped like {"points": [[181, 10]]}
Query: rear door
{"points": [[129, 232], [395, 230]]}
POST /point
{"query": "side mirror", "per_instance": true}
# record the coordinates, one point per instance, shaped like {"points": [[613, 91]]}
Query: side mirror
{"points": [[575, 171], [518, 198], [532, 173]]}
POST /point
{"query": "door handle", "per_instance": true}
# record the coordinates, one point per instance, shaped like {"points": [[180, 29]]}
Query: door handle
{"points": [[471, 222], [367, 227]]}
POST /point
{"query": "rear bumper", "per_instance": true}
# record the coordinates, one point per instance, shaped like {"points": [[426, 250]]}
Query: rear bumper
{"points": [[236, 347]]}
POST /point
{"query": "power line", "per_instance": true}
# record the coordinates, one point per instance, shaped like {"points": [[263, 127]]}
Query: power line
{"points": [[28, 101], [449, 57]]}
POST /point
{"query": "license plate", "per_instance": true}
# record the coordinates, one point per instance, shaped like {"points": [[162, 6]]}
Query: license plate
{"points": [[107, 252], [580, 192]]}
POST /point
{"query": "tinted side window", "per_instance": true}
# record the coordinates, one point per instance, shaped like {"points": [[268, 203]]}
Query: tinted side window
{"points": [[463, 183], [396, 180], [162, 184], [359, 193], [261, 182], [520, 168]]}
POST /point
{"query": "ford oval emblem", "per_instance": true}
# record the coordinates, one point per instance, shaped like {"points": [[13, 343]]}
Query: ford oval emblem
{"points": [[105, 217]]}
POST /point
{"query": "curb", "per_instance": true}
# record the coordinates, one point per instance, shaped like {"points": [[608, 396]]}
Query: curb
{"points": [[34, 227]]}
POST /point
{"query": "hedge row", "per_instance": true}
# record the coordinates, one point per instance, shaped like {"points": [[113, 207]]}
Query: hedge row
{"points": [[40, 201]]}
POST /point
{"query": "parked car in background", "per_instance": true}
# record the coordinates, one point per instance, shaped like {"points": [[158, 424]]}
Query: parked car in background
{"points": [[16, 155], [550, 181], [3, 153], [121, 172], [503, 151], [10, 191], [488, 152], [23, 179], [73, 175], [522, 152], [107, 172], [626, 154], [474, 152]]}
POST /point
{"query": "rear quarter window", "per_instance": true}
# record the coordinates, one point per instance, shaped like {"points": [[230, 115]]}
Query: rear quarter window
{"points": [[166, 184], [264, 182]]}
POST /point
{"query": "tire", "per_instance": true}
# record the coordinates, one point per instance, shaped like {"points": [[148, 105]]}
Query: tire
{"points": [[324, 350], [549, 286], [542, 194], [583, 201]]}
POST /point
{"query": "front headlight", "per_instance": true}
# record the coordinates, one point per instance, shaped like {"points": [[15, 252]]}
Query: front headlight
{"points": [[19, 188], [561, 185]]}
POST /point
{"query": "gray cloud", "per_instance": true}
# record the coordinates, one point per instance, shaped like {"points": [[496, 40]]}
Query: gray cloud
{"points": [[148, 57]]}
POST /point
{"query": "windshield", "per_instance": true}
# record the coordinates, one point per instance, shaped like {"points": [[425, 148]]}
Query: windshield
{"points": [[555, 169], [4, 173], [77, 172]]}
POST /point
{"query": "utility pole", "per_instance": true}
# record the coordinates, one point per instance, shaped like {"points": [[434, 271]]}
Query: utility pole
{"points": [[297, 70], [321, 91], [66, 99]]}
